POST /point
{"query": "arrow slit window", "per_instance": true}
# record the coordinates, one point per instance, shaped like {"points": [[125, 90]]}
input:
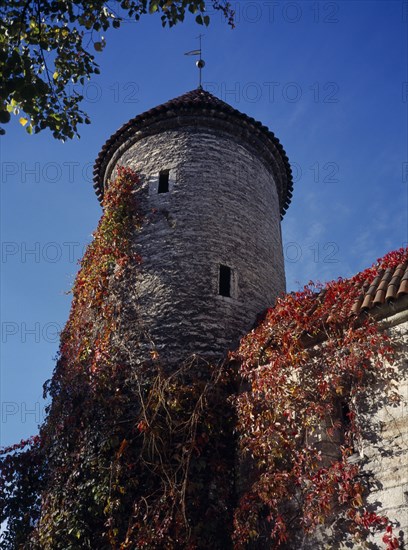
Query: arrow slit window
{"points": [[163, 182], [224, 285]]}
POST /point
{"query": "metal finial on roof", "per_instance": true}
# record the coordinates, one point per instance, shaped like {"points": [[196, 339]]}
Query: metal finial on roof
{"points": [[200, 63]]}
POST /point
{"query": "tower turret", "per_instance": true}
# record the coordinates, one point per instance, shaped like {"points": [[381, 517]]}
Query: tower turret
{"points": [[219, 182]]}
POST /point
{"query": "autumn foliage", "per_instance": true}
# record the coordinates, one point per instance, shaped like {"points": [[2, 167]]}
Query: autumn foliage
{"points": [[137, 453], [306, 370]]}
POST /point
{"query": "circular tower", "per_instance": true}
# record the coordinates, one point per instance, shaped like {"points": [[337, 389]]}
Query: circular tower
{"points": [[219, 182]]}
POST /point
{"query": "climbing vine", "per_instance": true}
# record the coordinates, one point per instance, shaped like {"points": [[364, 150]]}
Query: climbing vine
{"points": [[305, 370], [139, 453], [22, 469], [134, 453]]}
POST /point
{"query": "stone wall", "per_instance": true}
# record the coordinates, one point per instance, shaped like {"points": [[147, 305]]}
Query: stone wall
{"points": [[222, 208], [385, 447], [383, 454]]}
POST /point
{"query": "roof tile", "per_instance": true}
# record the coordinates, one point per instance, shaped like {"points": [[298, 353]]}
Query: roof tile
{"points": [[403, 289], [387, 285]]}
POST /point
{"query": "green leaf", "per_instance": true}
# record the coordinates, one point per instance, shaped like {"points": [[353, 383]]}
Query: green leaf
{"points": [[62, 30], [154, 6]]}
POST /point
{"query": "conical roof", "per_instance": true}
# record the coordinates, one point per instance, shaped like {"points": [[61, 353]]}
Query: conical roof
{"points": [[198, 107]]}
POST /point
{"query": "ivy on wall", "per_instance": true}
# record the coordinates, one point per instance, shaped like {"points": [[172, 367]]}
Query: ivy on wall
{"points": [[133, 454], [307, 368], [136, 453]]}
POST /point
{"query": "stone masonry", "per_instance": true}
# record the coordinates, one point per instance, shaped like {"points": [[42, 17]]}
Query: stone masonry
{"points": [[222, 209], [385, 446], [229, 184]]}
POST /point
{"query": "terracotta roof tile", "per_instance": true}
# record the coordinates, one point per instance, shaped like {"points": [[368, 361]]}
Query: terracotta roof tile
{"points": [[357, 304], [194, 103], [388, 285], [380, 294], [373, 294], [403, 287]]}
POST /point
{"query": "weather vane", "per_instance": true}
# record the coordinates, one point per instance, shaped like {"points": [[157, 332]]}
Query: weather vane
{"points": [[200, 63]]}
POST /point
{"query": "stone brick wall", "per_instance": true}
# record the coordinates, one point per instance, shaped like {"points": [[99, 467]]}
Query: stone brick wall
{"points": [[222, 208], [385, 447], [383, 454]]}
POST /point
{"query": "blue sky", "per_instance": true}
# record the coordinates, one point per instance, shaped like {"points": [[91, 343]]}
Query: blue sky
{"points": [[329, 78]]}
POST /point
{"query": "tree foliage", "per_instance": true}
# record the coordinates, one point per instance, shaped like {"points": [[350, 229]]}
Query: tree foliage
{"points": [[137, 453], [46, 46]]}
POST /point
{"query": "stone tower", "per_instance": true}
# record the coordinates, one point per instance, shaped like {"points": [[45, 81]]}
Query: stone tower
{"points": [[212, 258]]}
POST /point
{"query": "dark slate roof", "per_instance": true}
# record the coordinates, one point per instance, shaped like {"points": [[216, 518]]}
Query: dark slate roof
{"points": [[386, 287], [197, 102]]}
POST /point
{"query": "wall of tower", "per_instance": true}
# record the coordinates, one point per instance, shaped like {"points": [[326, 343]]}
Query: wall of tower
{"points": [[222, 208]]}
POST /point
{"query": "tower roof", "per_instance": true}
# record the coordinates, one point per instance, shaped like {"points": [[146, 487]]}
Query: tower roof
{"points": [[187, 109]]}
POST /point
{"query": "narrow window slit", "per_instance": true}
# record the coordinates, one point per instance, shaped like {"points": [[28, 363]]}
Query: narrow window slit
{"points": [[163, 181], [225, 281]]}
